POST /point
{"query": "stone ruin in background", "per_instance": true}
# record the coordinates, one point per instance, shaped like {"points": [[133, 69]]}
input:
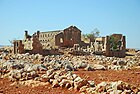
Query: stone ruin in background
{"points": [[113, 45], [47, 43], [51, 42]]}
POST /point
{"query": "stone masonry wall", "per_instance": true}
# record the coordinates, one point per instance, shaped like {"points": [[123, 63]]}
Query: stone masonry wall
{"points": [[72, 35], [18, 47], [47, 39], [116, 53]]}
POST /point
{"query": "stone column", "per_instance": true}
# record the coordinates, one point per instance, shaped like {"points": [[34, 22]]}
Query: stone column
{"points": [[124, 46], [107, 46], [38, 33], [26, 34]]}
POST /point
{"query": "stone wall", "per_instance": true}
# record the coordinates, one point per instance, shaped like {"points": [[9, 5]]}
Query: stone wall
{"points": [[18, 47], [99, 44], [27, 41], [69, 37], [59, 39], [72, 35], [47, 39], [37, 46], [119, 50]]}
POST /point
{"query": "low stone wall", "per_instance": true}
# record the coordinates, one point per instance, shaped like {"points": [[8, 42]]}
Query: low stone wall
{"points": [[115, 54]]}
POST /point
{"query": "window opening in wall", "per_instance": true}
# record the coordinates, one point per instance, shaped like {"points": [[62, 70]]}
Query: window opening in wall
{"points": [[17, 44], [61, 40]]}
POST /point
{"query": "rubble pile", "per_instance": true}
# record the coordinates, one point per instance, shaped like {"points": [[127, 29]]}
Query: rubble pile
{"points": [[117, 63], [70, 62], [57, 70], [137, 56]]}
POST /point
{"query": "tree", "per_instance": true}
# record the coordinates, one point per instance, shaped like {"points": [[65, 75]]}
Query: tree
{"points": [[94, 34]]}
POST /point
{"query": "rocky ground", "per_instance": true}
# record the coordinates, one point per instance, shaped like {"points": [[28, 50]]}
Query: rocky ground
{"points": [[67, 74], [6, 87], [131, 76]]}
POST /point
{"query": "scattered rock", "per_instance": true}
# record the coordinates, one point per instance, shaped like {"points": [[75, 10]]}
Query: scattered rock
{"points": [[55, 83], [34, 69], [83, 88], [78, 84], [91, 83], [69, 67], [99, 67], [89, 68], [121, 62]]}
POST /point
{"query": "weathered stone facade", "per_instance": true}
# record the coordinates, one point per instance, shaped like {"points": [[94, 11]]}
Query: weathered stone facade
{"points": [[18, 46], [69, 37], [114, 45], [47, 39], [99, 44]]}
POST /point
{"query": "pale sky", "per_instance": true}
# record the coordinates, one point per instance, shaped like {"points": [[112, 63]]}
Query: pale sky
{"points": [[109, 16]]}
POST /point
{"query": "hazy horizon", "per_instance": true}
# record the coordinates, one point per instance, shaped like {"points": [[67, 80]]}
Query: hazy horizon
{"points": [[109, 16]]}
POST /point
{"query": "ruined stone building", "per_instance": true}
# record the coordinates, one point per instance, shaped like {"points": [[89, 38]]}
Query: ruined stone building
{"points": [[42, 42], [49, 42], [113, 45]]}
